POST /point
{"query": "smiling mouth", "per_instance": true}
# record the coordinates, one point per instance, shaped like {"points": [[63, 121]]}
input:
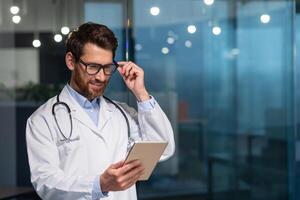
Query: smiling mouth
{"points": [[96, 84]]}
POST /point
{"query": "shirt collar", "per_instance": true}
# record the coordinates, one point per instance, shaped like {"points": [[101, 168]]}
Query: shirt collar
{"points": [[83, 101]]}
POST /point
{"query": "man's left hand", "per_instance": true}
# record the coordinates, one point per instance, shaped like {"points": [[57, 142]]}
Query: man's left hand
{"points": [[133, 76]]}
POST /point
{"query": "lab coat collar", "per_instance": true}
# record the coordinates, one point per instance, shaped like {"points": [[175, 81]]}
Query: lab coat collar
{"points": [[79, 114]]}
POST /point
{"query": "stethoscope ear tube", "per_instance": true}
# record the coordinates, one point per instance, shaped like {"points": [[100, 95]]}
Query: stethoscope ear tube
{"points": [[60, 103], [70, 117]]}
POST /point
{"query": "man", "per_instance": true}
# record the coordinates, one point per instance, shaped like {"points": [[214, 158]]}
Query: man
{"points": [[80, 156]]}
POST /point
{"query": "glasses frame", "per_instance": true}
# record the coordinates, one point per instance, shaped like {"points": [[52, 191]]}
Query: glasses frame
{"points": [[99, 68]]}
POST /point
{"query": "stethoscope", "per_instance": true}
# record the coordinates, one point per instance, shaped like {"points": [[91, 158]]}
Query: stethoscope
{"points": [[69, 138]]}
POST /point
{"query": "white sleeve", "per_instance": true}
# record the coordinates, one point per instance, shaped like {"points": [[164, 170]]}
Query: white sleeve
{"points": [[48, 179], [153, 125]]}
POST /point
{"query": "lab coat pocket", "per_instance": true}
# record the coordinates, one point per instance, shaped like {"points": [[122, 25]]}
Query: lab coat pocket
{"points": [[67, 146]]}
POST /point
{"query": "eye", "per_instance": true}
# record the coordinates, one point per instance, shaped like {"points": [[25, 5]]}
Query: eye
{"points": [[94, 66]]}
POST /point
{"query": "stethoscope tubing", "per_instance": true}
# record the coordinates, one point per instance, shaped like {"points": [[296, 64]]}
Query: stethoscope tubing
{"points": [[67, 139]]}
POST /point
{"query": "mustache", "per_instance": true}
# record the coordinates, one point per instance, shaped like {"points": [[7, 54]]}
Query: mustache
{"points": [[98, 82]]}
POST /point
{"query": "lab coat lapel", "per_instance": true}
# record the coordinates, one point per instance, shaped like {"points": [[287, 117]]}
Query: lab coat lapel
{"points": [[104, 114], [77, 112]]}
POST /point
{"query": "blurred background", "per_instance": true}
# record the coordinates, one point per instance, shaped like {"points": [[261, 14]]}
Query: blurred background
{"points": [[226, 72]]}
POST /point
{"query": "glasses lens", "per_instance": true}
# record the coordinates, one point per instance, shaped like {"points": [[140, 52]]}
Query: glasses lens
{"points": [[92, 69], [109, 69]]}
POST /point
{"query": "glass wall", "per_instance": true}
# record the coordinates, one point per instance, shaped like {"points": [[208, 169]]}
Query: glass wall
{"points": [[224, 72], [227, 68]]}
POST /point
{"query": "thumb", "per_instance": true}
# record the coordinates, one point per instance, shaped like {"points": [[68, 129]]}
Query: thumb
{"points": [[120, 69]]}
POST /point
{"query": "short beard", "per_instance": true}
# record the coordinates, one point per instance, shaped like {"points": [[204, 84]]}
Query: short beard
{"points": [[84, 88]]}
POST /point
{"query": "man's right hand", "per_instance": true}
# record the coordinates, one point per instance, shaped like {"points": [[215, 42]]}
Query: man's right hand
{"points": [[120, 176]]}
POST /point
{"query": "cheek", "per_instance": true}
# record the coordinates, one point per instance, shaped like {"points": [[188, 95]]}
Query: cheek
{"points": [[81, 79]]}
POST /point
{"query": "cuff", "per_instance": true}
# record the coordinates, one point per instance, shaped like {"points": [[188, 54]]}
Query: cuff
{"points": [[96, 192], [146, 105]]}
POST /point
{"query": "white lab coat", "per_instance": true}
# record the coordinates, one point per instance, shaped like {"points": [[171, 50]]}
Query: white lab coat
{"points": [[66, 170]]}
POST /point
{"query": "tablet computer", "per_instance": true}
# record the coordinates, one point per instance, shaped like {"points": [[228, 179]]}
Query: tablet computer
{"points": [[148, 152]]}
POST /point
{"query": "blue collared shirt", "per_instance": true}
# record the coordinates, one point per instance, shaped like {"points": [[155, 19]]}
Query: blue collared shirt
{"points": [[92, 108]]}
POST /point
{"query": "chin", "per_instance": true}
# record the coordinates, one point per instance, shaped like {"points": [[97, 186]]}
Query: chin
{"points": [[95, 93]]}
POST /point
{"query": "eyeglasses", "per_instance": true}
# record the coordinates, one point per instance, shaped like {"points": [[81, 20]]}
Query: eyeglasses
{"points": [[93, 68]]}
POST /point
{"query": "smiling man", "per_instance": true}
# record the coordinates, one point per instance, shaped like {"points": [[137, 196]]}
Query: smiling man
{"points": [[77, 140]]}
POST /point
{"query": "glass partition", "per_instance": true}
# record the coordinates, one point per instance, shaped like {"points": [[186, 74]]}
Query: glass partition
{"points": [[225, 72]]}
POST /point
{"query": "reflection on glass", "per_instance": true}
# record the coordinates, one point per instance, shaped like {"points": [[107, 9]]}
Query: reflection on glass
{"points": [[224, 85]]}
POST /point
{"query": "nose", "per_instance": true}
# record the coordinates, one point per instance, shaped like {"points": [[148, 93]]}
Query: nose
{"points": [[100, 75]]}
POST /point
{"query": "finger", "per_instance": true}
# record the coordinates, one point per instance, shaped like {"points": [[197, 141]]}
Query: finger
{"points": [[127, 70], [122, 63], [117, 165], [132, 181], [120, 71], [133, 73], [122, 68], [131, 175], [129, 166]]}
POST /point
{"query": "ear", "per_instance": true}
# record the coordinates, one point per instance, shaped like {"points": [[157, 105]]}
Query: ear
{"points": [[70, 62]]}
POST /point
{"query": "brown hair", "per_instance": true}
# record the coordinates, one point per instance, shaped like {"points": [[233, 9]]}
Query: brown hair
{"points": [[90, 32]]}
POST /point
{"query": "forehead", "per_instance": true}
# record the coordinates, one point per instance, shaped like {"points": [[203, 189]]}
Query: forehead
{"points": [[94, 53]]}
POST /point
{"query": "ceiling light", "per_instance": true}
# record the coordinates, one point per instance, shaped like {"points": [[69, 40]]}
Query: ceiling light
{"points": [[191, 29], [265, 18], [65, 30], [170, 40], [16, 19], [154, 11], [14, 10], [165, 50], [188, 44], [138, 47], [36, 43], [58, 37], [216, 30], [208, 2]]}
